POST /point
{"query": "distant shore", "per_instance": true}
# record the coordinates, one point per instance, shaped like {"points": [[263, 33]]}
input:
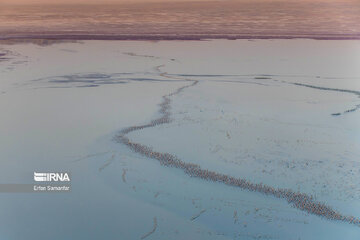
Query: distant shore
{"points": [[179, 20], [159, 37]]}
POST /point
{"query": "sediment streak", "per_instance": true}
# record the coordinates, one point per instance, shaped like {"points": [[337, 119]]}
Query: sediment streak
{"points": [[152, 231], [298, 200]]}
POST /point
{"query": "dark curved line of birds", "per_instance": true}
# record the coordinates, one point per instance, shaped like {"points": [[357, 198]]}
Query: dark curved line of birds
{"points": [[298, 200], [357, 93]]}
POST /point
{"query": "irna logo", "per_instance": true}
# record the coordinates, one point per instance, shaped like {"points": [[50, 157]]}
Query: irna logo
{"points": [[51, 177]]}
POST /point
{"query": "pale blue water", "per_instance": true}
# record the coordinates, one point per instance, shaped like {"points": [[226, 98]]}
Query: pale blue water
{"points": [[64, 103]]}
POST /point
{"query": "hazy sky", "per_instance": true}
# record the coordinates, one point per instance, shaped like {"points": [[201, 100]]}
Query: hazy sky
{"points": [[85, 1], [123, 1]]}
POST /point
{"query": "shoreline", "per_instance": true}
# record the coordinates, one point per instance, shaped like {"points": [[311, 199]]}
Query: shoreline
{"points": [[173, 37]]}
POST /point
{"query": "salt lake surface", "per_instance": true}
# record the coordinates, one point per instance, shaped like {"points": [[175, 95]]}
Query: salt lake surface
{"points": [[284, 113]]}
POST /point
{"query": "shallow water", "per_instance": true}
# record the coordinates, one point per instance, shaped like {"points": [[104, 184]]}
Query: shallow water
{"points": [[262, 110]]}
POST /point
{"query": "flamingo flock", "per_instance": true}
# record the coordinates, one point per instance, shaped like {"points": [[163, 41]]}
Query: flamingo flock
{"points": [[298, 200]]}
